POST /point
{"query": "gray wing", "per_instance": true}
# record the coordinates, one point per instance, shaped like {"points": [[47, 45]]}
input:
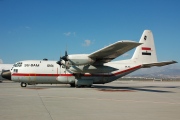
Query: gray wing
{"points": [[112, 51]]}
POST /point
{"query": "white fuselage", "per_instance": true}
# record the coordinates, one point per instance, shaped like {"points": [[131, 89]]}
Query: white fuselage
{"points": [[49, 72]]}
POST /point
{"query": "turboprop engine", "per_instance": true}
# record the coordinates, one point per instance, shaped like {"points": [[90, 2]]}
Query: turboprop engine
{"points": [[76, 59], [80, 59]]}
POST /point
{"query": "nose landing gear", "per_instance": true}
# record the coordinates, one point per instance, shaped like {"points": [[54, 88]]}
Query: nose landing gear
{"points": [[23, 84]]}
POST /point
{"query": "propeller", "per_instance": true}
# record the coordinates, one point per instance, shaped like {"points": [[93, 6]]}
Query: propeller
{"points": [[65, 58], [59, 62]]}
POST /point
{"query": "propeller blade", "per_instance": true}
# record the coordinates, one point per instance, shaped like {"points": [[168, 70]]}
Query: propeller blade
{"points": [[66, 53], [65, 57], [59, 62]]}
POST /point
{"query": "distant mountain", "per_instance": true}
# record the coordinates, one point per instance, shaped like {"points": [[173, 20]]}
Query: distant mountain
{"points": [[171, 71]]}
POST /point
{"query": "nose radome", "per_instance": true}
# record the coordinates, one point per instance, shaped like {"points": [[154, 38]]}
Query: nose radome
{"points": [[6, 74]]}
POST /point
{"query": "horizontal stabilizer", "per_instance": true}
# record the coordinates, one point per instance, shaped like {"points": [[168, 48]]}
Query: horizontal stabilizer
{"points": [[159, 64]]}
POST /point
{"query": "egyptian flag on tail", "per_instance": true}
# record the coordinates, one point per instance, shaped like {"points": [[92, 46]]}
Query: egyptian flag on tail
{"points": [[146, 51]]}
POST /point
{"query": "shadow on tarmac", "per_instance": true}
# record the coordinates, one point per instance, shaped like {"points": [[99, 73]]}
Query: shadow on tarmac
{"points": [[111, 88], [134, 89]]}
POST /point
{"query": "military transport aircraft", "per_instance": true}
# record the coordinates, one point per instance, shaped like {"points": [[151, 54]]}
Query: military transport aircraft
{"points": [[87, 69]]}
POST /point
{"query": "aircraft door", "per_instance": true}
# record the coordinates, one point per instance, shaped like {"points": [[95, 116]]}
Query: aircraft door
{"points": [[62, 77]]}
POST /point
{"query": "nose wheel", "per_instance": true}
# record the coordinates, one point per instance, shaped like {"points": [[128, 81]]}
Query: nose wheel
{"points": [[23, 84]]}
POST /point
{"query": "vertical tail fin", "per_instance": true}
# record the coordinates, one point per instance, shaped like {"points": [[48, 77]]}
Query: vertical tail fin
{"points": [[146, 53]]}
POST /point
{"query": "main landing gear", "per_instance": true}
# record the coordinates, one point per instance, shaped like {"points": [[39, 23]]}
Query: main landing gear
{"points": [[79, 82], [72, 84], [23, 84]]}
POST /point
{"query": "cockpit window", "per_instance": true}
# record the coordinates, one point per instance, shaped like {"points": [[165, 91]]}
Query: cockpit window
{"points": [[19, 64]]}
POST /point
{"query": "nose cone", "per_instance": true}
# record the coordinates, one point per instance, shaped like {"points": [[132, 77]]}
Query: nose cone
{"points": [[6, 74]]}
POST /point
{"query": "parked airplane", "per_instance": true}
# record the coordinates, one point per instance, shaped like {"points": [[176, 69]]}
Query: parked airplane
{"points": [[87, 69], [3, 68]]}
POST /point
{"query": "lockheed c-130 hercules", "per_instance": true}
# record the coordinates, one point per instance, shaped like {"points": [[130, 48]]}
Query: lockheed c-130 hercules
{"points": [[88, 69]]}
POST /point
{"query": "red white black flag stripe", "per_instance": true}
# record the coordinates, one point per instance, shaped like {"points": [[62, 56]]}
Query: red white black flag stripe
{"points": [[146, 51]]}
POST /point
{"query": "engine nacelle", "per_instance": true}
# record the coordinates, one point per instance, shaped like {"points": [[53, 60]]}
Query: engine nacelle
{"points": [[79, 59]]}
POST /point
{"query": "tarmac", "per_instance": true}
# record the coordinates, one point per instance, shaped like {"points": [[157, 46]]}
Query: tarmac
{"points": [[119, 100]]}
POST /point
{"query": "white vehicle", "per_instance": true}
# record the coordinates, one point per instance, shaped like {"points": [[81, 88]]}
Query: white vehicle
{"points": [[3, 68], [87, 69]]}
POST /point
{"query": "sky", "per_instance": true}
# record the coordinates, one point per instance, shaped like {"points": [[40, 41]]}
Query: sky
{"points": [[37, 29]]}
